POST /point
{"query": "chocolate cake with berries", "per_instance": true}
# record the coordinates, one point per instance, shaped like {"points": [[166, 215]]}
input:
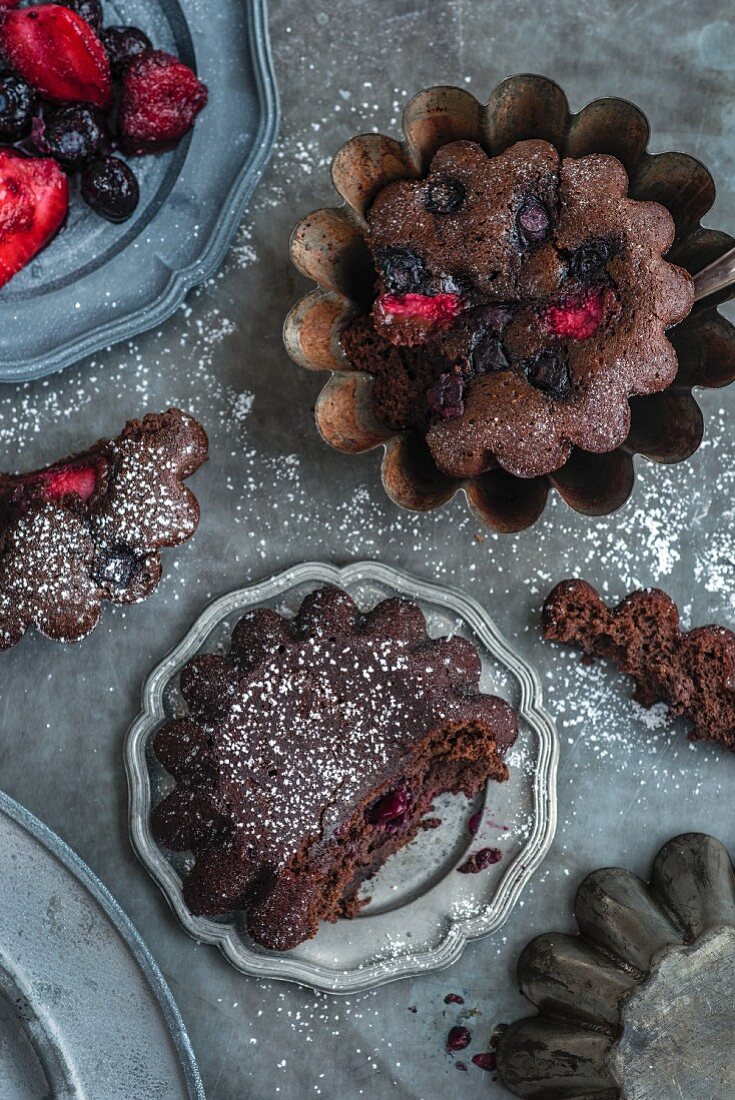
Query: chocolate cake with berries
{"points": [[90, 527], [313, 751], [520, 301], [692, 671]]}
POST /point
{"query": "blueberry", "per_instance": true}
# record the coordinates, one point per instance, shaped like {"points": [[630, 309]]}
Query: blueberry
{"points": [[89, 10], [74, 135], [549, 372], [123, 45], [17, 103], [587, 260], [534, 221], [494, 317], [488, 354], [444, 195], [446, 397], [115, 568], [403, 271], [110, 188]]}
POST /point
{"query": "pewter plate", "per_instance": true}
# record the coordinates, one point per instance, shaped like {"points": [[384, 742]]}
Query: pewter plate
{"points": [[422, 911], [85, 1013], [97, 283]]}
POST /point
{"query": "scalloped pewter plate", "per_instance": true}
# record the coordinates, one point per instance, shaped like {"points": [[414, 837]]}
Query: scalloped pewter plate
{"points": [[97, 283], [422, 912]]}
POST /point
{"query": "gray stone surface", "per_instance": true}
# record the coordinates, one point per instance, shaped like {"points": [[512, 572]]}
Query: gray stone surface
{"points": [[272, 495]]}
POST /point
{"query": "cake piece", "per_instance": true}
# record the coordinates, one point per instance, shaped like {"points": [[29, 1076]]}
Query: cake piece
{"points": [[520, 300], [90, 527], [313, 751], [692, 671]]}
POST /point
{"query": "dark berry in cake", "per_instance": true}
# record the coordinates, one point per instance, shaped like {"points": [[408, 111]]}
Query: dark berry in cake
{"points": [[691, 671], [160, 100], [445, 396], [75, 135], [89, 10], [109, 186], [123, 45], [538, 280], [91, 527], [17, 104], [313, 751]]}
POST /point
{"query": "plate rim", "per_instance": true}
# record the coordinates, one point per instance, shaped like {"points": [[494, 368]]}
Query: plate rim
{"points": [[181, 281], [125, 928], [460, 931]]}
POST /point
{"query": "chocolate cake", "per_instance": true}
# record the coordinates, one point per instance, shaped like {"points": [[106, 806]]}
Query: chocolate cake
{"points": [[692, 671], [90, 527], [313, 751], [520, 301]]}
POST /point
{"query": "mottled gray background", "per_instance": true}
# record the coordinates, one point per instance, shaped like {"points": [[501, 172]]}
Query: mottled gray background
{"points": [[272, 494]]}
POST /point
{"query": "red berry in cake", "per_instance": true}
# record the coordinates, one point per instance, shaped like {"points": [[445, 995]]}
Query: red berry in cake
{"points": [[446, 397], [534, 221], [432, 309], [549, 372], [74, 135], [89, 10], [17, 104], [34, 199], [58, 53], [390, 809], [459, 1038], [577, 316], [109, 186], [444, 195], [161, 98], [70, 480], [123, 45]]}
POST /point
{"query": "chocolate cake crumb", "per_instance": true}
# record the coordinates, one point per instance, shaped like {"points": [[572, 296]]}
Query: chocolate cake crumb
{"points": [[90, 527], [693, 671], [313, 751]]}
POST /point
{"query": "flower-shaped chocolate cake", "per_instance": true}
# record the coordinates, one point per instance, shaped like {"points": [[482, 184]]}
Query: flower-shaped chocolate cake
{"points": [[502, 304], [313, 751], [90, 527], [522, 300]]}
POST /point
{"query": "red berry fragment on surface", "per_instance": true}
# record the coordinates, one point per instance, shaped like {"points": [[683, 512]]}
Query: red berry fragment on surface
{"points": [[485, 1061], [58, 53], [34, 200], [578, 316], [453, 999], [161, 97], [478, 861], [459, 1038], [474, 823]]}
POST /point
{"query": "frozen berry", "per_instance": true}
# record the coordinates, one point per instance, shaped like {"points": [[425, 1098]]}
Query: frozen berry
{"points": [[488, 354], [446, 396], [115, 568], [123, 45], [17, 103], [160, 99], [403, 271], [89, 10], [390, 809], [587, 260], [533, 220], [444, 195], [74, 135], [459, 1038], [110, 187], [549, 372]]}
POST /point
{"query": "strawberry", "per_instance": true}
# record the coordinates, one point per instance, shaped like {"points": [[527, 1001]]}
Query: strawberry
{"points": [[8, 4], [34, 199], [161, 97], [53, 48]]}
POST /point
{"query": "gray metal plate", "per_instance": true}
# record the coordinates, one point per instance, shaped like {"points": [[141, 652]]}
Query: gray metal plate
{"points": [[85, 1012], [97, 283], [422, 912]]}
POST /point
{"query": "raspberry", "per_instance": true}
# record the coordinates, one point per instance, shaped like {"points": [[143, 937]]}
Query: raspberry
{"points": [[435, 309], [577, 316]]}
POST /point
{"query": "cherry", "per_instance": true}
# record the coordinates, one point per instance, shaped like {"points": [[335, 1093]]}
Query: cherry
{"points": [[390, 809], [459, 1038]]}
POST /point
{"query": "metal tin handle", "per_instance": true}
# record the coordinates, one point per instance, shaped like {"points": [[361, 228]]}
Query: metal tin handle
{"points": [[718, 276]]}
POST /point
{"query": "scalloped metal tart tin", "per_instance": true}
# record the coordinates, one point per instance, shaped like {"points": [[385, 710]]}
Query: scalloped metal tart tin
{"points": [[422, 911], [97, 283], [328, 246], [639, 1005]]}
